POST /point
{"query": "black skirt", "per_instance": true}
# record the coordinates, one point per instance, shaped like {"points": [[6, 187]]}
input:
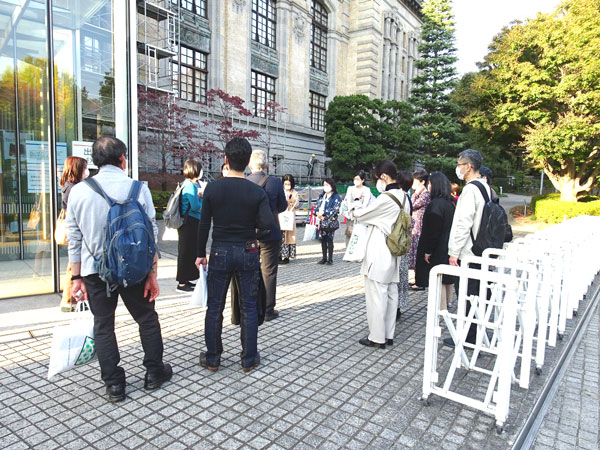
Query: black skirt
{"points": [[187, 250]]}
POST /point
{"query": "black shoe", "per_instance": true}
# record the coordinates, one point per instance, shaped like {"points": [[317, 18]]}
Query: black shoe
{"points": [[368, 343], [253, 366], [271, 316], [323, 261], [330, 263], [389, 342], [186, 288], [116, 393], [204, 364], [449, 342], [398, 315], [285, 261], [155, 380], [192, 285]]}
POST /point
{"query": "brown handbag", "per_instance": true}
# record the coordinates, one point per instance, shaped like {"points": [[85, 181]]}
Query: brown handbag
{"points": [[60, 233]]}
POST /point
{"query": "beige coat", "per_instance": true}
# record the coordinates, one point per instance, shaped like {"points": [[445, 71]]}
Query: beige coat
{"points": [[293, 202], [467, 218], [380, 216]]}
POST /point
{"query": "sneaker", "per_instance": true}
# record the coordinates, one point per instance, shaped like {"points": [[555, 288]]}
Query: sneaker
{"points": [[192, 285], [184, 288]]}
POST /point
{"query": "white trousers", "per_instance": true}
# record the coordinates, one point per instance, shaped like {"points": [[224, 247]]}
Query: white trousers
{"points": [[382, 304]]}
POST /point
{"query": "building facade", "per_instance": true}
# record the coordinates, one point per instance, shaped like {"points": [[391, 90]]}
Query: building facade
{"points": [[297, 53]]}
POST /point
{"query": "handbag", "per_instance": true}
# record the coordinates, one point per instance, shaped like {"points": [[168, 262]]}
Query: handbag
{"points": [[329, 225], [60, 233], [357, 245], [286, 221], [73, 345]]}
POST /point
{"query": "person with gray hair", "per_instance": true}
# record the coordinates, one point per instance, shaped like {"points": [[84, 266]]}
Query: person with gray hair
{"points": [[270, 244]]}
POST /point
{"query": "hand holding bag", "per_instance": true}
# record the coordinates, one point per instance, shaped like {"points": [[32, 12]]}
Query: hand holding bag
{"points": [[73, 344], [200, 294], [60, 233]]}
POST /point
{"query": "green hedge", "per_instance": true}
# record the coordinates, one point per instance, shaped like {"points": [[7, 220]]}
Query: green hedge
{"points": [[160, 200], [550, 209]]}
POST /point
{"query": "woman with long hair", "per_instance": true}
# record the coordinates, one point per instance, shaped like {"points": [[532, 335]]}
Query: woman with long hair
{"points": [[328, 208], [288, 243], [437, 223], [379, 267], [420, 200], [74, 171], [191, 206]]}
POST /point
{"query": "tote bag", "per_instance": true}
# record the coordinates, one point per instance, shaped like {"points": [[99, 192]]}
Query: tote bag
{"points": [[286, 220], [357, 245]]}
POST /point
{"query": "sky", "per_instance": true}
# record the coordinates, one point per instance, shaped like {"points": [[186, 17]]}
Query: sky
{"points": [[478, 21]]}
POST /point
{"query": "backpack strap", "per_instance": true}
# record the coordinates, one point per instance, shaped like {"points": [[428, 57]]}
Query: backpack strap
{"points": [[95, 186], [393, 197], [482, 189], [263, 181], [134, 193]]}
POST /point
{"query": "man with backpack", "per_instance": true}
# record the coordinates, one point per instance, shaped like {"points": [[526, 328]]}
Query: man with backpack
{"points": [[479, 222], [112, 234]]}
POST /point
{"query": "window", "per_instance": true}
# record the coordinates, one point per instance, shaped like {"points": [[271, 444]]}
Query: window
{"points": [[195, 6], [317, 108], [263, 91], [263, 22], [318, 37], [190, 75]]}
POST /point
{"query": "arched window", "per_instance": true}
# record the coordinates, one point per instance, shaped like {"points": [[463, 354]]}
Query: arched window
{"points": [[264, 22], [318, 36]]}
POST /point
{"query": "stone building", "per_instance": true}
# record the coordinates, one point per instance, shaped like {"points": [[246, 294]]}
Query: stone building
{"points": [[298, 53]]}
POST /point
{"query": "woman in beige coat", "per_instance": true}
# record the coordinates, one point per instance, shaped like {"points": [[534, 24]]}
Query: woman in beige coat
{"points": [[380, 268], [288, 243]]}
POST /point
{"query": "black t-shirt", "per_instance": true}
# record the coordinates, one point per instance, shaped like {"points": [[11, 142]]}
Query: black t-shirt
{"points": [[237, 208]]}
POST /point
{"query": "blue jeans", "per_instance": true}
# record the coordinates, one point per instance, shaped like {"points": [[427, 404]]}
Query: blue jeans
{"points": [[227, 260]]}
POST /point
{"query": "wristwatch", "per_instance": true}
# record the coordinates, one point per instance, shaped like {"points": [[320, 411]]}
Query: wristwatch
{"points": [[76, 277]]}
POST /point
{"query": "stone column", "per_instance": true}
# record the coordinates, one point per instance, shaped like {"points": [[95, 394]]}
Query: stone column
{"points": [[236, 47]]}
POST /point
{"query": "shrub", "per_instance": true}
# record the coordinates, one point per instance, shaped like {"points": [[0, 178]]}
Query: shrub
{"points": [[160, 200], [551, 209]]}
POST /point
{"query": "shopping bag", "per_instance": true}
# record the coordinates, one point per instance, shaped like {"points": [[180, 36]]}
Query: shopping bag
{"points": [[357, 245], [286, 220], [312, 227], [73, 344], [60, 232], [170, 234], [200, 294]]}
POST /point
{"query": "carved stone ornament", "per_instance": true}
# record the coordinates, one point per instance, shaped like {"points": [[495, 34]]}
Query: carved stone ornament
{"points": [[298, 26], [239, 5]]}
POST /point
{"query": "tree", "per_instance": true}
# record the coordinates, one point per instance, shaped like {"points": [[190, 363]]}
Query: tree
{"points": [[541, 81], [436, 112], [219, 128], [353, 137], [166, 130], [400, 138]]}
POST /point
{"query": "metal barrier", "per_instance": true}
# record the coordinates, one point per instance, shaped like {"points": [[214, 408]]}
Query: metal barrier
{"points": [[527, 292]]}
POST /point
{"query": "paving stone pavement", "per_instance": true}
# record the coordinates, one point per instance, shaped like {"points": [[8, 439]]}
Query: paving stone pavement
{"points": [[316, 386], [572, 422]]}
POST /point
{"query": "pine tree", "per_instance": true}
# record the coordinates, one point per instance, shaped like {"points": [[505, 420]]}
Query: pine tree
{"points": [[436, 112]]}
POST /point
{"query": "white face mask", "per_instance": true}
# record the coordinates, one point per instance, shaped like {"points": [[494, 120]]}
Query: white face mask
{"points": [[225, 172], [287, 187], [86, 173], [459, 174], [201, 173], [327, 189], [357, 183], [381, 185]]}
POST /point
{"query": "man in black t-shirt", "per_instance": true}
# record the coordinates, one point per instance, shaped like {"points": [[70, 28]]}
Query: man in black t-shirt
{"points": [[237, 208]]}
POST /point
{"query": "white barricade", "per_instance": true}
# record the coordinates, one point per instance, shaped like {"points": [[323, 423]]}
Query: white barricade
{"points": [[497, 396]]}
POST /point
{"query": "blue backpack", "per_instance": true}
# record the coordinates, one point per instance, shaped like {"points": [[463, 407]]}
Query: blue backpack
{"points": [[129, 247]]}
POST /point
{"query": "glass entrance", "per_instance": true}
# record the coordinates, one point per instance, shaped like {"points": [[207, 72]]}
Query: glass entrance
{"points": [[89, 86]]}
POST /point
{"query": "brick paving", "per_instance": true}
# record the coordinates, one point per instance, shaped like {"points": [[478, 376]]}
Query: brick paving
{"points": [[572, 422], [316, 386]]}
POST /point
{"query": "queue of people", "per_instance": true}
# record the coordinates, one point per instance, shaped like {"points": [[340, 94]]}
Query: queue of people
{"points": [[248, 245]]}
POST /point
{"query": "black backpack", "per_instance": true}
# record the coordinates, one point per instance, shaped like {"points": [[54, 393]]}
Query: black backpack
{"points": [[494, 229]]}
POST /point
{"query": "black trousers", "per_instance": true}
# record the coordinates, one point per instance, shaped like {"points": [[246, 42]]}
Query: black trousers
{"points": [[103, 309], [187, 250], [327, 247], [269, 264], [472, 289]]}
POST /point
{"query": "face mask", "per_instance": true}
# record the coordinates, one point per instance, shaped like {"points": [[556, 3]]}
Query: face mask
{"points": [[86, 173], [201, 173], [225, 172], [459, 174], [287, 187], [327, 189], [357, 183], [381, 185]]}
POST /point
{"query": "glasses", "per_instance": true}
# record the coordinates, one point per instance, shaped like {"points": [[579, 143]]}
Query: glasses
{"points": [[461, 164]]}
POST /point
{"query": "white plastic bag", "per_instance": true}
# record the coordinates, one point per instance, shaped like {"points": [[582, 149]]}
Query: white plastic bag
{"points": [[310, 232], [357, 245], [286, 220], [170, 234], [73, 344], [200, 294]]}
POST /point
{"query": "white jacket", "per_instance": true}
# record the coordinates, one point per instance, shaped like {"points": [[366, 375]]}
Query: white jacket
{"points": [[467, 218], [380, 216]]}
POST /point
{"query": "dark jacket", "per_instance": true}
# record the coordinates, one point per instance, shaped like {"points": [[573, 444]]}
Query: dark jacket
{"points": [[437, 223], [274, 189], [65, 193]]}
